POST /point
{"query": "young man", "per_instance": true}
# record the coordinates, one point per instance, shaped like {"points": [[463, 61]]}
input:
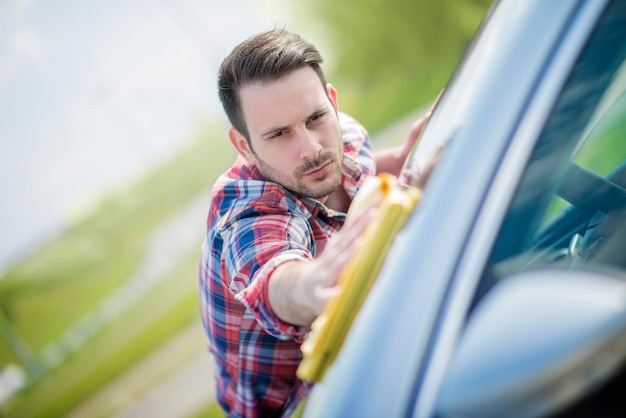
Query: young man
{"points": [[276, 241]]}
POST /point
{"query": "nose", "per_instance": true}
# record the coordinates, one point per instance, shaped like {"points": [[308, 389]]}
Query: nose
{"points": [[310, 146]]}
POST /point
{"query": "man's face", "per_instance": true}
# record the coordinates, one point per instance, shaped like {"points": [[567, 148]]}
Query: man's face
{"points": [[294, 133]]}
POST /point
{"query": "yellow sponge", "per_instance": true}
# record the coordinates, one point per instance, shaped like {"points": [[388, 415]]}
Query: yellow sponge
{"points": [[328, 331]]}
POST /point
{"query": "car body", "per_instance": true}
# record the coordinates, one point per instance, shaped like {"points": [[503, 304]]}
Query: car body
{"points": [[503, 295]]}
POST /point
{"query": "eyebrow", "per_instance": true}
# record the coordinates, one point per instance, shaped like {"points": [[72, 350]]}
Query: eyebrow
{"points": [[275, 130], [272, 131]]}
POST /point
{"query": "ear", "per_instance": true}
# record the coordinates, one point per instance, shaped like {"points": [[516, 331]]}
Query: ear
{"points": [[241, 145], [332, 95]]}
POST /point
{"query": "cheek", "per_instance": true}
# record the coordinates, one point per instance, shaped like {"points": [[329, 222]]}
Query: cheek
{"points": [[328, 138], [281, 160], [336, 137], [336, 142]]}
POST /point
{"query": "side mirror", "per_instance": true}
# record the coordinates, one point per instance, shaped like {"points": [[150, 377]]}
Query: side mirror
{"points": [[535, 343]]}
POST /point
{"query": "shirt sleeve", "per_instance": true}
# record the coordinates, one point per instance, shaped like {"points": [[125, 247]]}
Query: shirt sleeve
{"points": [[253, 248], [358, 162]]}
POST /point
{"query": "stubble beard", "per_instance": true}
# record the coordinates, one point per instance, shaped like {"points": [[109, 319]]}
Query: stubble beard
{"points": [[296, 183]]}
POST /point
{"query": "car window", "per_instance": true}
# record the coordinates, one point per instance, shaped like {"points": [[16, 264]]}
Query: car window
{"points": [[602, 147], [569, 210]]}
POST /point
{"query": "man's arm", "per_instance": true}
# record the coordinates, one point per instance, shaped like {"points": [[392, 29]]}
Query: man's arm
{"points": [[298, 291]]}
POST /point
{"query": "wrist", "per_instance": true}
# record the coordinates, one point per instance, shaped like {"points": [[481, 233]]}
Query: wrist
{"points": [[304, 293]]}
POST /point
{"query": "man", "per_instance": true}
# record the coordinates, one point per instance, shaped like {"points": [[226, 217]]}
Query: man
{"points": [[276, 241]]}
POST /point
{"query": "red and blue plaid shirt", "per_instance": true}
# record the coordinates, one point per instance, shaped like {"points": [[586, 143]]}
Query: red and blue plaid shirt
{"points": [[254, 226]]}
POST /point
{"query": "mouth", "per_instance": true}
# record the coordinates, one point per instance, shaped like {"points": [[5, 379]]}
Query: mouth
{"points": [[318, 171]]}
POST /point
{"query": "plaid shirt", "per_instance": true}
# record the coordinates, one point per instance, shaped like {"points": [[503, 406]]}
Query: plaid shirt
{"points": [[253, 227]]}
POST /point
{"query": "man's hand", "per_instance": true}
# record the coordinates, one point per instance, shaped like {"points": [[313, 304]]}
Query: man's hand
{"points": [[299, 290]]}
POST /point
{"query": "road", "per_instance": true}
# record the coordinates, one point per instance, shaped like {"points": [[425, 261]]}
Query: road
{"points": [[174, 382]]}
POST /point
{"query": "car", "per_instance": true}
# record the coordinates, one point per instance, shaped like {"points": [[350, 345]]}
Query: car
{"points": [[504, 293]]}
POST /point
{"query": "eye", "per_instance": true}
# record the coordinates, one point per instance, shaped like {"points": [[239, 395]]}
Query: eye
{"points": [[316, 118]]}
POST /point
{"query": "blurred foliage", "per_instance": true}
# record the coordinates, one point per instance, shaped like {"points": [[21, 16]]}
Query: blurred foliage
{"points": [[72, 273], [212, 410], [392, 57]]}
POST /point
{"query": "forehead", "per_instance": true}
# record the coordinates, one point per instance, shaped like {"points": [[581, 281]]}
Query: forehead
{"points": [[282, 102]]}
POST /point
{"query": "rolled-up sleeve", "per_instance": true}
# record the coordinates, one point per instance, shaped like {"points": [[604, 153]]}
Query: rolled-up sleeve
{"points": [[253, 248]]}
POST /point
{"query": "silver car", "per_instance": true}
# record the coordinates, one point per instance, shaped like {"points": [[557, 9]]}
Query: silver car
{"points": [[504, 295]]}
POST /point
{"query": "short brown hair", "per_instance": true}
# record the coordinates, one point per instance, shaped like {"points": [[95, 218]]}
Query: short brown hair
{"points": [[266, 56]]}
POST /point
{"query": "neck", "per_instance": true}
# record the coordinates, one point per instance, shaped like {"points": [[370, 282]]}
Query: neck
{"points": [[338, 200]]}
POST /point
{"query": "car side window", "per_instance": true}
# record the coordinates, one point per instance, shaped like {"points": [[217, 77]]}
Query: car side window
{"points": [[603, 147], [569, 210]]}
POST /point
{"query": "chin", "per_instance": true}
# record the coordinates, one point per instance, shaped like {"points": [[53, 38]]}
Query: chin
{"points": [[324, 191]]}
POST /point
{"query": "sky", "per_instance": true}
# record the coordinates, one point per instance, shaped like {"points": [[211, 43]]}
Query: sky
{"points": [[94, 93]]}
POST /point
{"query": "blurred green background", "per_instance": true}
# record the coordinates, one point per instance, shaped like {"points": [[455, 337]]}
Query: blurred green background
{"points": [[92, 306]]}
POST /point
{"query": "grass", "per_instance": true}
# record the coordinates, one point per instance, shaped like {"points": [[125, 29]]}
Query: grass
{"points": [[167, 309], [212, 410]]}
